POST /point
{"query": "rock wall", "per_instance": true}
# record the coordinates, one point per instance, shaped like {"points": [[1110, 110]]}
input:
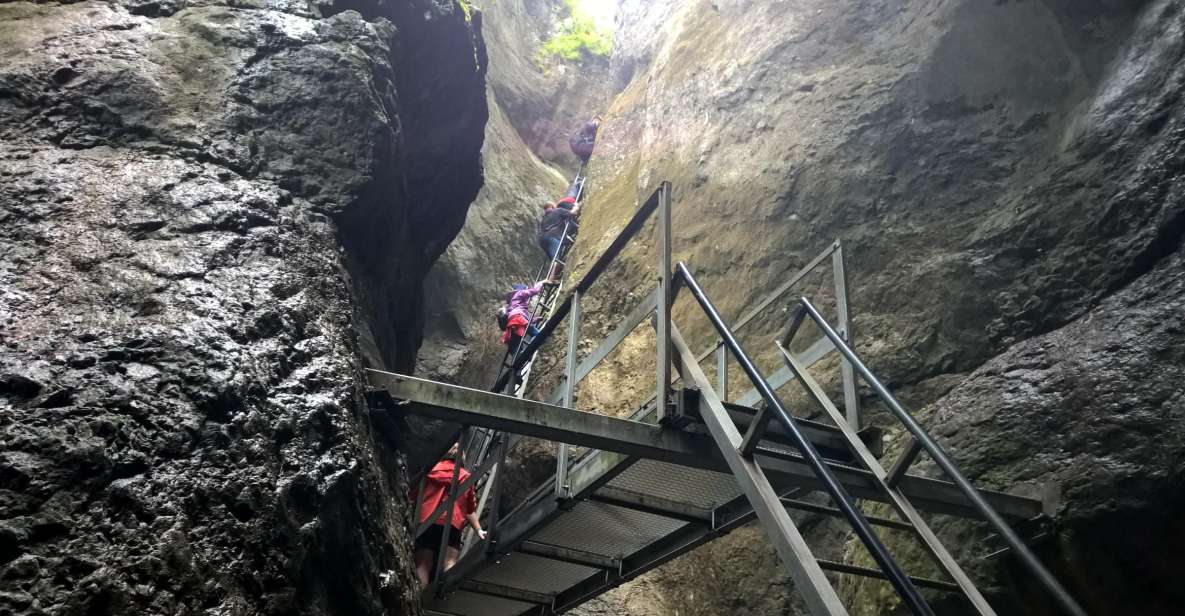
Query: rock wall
{"points": [[213, 217], [544, 100], [1006, 178]]}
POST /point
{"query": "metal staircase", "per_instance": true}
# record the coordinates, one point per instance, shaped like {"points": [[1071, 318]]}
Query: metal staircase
{"points": [[691, 465]]}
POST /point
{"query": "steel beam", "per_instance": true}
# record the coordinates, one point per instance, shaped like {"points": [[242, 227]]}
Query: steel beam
{"points": [[920, 582], [722, 371], [851, 400], [810, 507], [454, 494], [663, 312], [796, 555], [824, 436], [569, 555], [901, 466], [553, 423], [561, 458], [632, 438], [505, 592], [754, 433], [636, 501], [809, 357], [776, 294]]}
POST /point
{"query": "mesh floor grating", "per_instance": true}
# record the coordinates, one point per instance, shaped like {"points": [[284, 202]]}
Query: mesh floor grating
{"points": [[704, 489], [605, 529], [472, 604], [533, 573]]}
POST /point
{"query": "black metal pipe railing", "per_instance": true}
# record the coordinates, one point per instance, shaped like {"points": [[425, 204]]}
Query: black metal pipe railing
{"points": [[1025, 555], [896, 576]]}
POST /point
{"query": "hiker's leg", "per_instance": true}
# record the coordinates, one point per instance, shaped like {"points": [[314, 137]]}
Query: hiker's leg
{"points": [[424, 558], [451, 556]]}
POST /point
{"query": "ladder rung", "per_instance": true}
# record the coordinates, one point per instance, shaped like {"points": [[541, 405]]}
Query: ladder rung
{"points": [[920, 582], [831, 511]]}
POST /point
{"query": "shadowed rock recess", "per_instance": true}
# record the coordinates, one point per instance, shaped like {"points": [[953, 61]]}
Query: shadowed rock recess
{"points": [[213, 216]]}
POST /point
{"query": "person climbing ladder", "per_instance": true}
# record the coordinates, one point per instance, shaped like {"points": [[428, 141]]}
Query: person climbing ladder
{"points": [[553, 227], [518, 313], [583, 140], [436, 489]]}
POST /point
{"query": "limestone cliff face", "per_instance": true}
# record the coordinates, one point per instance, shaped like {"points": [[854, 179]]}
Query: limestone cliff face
{"points": [[1007, 180], [213, 217], [544, 100]]}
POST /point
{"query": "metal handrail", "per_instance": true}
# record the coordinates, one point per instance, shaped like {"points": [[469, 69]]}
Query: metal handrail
{"points": [[560, 311], [839, 495], [1027, 558]]}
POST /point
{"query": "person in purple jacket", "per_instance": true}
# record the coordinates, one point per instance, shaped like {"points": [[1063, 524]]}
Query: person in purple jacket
{"points": [[518, 313]]}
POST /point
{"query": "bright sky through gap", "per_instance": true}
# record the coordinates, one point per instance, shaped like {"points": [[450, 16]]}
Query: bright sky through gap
{"points": [[601, 11]]}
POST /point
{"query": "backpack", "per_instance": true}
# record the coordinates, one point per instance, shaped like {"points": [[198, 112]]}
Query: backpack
{"points": [[503, 318]]}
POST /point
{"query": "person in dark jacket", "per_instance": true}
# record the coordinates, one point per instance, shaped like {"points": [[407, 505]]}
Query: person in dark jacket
{"points": [[584, 138], [552, 225], [437, 489]]}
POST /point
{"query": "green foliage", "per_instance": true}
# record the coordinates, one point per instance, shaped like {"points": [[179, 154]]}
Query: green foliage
{"points": [[578, 38]]}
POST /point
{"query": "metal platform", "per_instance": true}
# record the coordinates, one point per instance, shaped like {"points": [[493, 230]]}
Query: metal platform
{"points": [[650, 494], [690, 466]]}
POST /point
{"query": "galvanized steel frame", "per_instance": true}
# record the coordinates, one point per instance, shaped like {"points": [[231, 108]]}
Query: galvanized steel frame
{"points": [[587, 477]]}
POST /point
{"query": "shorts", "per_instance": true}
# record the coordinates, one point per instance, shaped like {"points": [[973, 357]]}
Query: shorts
{"points": [[430, 540]]}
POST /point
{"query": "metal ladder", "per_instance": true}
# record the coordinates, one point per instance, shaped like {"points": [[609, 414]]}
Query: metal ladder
{"points": [[744, 453], [486, 443], [514, 361]]}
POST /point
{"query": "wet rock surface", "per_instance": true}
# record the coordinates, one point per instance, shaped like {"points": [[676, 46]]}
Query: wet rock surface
{"points": [[187, 304]]}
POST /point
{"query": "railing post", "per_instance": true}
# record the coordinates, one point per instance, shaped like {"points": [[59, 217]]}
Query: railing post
{"points": [[454, 494], [496, 475], [851, 400], [664, 299], [561, 461], [415, 516], [722, 371]]}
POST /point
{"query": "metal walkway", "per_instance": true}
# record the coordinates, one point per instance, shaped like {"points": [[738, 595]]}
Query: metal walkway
{"points": [[689, 466]]}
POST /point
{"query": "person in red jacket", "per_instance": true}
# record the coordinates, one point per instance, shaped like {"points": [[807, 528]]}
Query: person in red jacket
{"points": [[436, 491]]}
